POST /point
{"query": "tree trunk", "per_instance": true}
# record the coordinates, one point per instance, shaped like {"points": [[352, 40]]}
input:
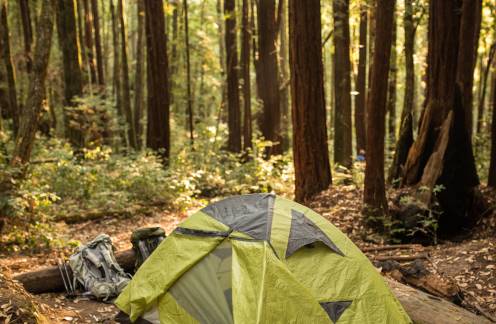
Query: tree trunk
{"points": [[245, 68], [158, 129], [31, 113], [311, 156], [73, 79], [234, 118], [188, 74], [391, 101], [444, 101], [269, 76], [126, 89], [173, 60], [138, 76], [483, 87], [98, 42], [117, 73], [88, 41], [284, 75], [361, 83], [374, 196], [6, 60], [491, 182], [80, 19], [342, 84], [27, 31], [405, 139], [467, 55]]}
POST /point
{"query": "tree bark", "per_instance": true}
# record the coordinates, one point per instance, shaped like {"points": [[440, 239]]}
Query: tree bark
{"points": [[188, 74], [310, 151], [117, 89], [158, 127], [126, 89], [444, 98], [467, 55], [270, 124], [342, 84], [284, 75], [80, 19], [374, 196], [98, 43], [245, 68], [31, 113], [88, 41], [27, 31], [73, 79], [491, 182], [8, 69], [391, 101], [138, 75], [360, 103], [405, 139], [233, 106]]}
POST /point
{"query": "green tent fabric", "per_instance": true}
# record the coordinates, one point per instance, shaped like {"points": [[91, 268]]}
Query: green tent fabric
{"points": [[258, 259]]}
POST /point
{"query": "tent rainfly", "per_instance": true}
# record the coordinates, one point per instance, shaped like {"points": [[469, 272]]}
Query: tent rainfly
{"points": [[258, 259]]}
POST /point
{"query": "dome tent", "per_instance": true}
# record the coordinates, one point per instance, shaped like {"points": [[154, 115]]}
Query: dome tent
{"points": [[258, 259]]}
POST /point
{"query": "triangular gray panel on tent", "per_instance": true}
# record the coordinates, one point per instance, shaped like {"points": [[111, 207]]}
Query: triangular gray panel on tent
{"points": [[335, 309], [250, 214], [303, 232]]}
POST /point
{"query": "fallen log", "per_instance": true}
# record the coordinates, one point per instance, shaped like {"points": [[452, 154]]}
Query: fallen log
{"points": [[49, 280], [427, 309]]}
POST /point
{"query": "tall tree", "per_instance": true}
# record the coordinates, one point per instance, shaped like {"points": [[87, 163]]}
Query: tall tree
{"points": [[269, 75], [158, 124], [8, 67], [284, 86], [491, 182], [98, 42], [442, 153], [361, 81], [73, 80], [188, 73], [311, 156], [126, 88], [27, 31], [483, 86], [233, 105], [117, 88], [245, 68], [374, 196], [405, 139], [342, 84], [391, 100], [138, 74], [88, 41], [467, 54], [32, 111]]}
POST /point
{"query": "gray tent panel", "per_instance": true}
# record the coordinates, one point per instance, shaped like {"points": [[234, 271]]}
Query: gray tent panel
{"points": [[205, 290], [250, 214], [335, 309], [304, 232]]}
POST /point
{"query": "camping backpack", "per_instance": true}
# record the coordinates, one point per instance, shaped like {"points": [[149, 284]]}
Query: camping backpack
{"points": [[145, 241], [94, 267]]}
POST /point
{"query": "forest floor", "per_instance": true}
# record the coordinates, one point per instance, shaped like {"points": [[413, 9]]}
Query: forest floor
{"points": [[470, 263]]}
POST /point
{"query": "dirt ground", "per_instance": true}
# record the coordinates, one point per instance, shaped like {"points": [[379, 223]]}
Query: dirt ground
{"points": [[471, 263]]}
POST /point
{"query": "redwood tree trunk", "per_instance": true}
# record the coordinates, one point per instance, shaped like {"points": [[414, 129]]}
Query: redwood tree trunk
{"points": [[342, 84], [269, 75], [245, 68], [73, 83], [391, 101], [98, 42], [361, 83], [117, 89], [449, 147], [158, 128], [88, 41], [467, 55], [188, 74], [374, 196], [233, 106], [27, 31], [6, 60], [32, 111], [405, 139], [126, 88], [311, 156], [284, 75], [138, 76]]}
